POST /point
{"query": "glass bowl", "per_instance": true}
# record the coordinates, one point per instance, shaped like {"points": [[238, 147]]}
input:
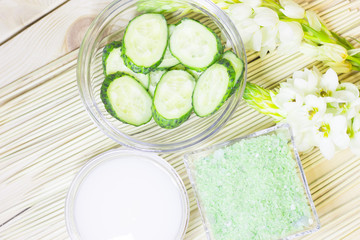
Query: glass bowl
{"points": [[249, 184], [109, 26]]}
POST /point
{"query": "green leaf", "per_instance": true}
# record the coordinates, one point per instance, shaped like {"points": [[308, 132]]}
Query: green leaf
{"points": [[342, 41], [318, 36]]}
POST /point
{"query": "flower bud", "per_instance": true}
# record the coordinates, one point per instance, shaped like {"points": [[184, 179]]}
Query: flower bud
{"points": [[340, 67], [265, 17], [333, 52], [291, 36], [313, 20], [292, 9]]}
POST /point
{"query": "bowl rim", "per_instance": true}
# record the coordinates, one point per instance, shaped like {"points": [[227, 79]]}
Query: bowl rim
{"points": [[86, 95]]}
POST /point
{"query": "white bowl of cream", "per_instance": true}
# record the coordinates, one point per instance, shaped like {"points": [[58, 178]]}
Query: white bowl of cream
{"points": [[127, 195]]}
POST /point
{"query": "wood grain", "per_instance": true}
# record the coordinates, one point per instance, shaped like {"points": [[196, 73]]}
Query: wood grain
{"points": [[46, 135], [54, 36], [16, 15], [47, 138]]}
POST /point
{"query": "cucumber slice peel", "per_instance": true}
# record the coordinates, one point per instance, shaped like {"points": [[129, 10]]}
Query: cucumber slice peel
{"points": [[126, 99], [213, 88], [238, 66]]}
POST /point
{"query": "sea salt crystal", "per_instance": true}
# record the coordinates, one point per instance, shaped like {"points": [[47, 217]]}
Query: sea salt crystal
{"points": [[260, 195]]}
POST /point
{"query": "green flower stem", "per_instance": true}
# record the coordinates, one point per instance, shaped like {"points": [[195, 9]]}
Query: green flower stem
{"points": [[353, 59], [260, 99], [316, 36]]}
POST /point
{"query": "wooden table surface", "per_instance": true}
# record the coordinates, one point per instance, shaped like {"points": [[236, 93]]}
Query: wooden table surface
{"points": [[46, 135]]}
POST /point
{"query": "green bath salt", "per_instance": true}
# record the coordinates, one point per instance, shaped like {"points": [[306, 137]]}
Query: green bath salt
{"points": [[251, 190]]}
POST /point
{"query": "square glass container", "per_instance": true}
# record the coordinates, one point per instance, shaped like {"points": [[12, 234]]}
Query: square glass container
{"points": [[218, 196]]}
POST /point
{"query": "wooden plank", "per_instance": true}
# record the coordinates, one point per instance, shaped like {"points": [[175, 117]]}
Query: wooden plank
{"points": [[15, 15], [48, 39], [47, 136], [44, 149]]}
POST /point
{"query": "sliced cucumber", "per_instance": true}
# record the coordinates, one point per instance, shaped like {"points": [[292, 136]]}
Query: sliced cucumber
{"points": [[126, 99], [113, 62], [154, 79], [213, 88], [169, 60], [195, 45], [195, 74], [238, 66], [145, 42], [172, 104]]}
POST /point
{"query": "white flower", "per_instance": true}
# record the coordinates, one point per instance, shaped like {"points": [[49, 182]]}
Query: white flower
{"points": [[333, 52], [241, 15], [305, 81], [288, 99], [354, 110], [268, 42], [255, 42], [265, 16], [340, 67], [247, 28], [292, 9], [290, 36], [328, 84], [350, 88], [252, 3], [239, 11], [330, 134], [302, 128], [315, 107], [328, 52], [302, 121], [355, 144], [256, 26], [313, 20]]}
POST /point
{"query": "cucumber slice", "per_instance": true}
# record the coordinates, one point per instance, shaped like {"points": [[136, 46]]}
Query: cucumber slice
{"points": [[145, 42], [169, 60], [113, 62], [126, 99], [213, 88], [238, 66], [195, 74], [154, 79], [172, 104], [195, 45]]}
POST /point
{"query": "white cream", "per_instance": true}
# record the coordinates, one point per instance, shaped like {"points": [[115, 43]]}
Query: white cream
{"points": [[129, 198]]}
